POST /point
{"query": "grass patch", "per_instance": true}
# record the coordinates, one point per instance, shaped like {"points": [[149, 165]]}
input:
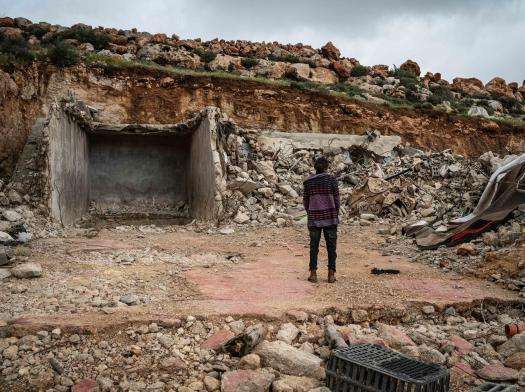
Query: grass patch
{"points": [[516, 122], [98, 39], [206, 55]]}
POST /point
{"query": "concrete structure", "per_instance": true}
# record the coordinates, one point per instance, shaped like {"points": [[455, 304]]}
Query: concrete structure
{"points": [[171, 170]]}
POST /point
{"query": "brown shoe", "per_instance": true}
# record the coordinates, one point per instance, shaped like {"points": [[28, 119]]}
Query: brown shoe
{"points": [[313, 276], [331, 276]]}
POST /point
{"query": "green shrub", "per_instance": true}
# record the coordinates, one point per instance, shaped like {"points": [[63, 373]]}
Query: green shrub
{"points": [[36, 30], [512, 105], [249, 62], [206, 55], [359, 70], [399, 73], [440, 94], [98, 39], [17, 49], [289, 58], [63, 54], [348, 89]]}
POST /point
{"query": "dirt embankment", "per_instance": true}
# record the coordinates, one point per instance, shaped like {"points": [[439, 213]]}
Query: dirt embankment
{"points": [[149, 96]]}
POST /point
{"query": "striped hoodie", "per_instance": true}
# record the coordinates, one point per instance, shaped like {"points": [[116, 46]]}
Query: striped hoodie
{"points": [[321, 200]]}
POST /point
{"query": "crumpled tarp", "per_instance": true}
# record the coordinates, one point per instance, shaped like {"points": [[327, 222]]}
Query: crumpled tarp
{"points": [[504, 193]]}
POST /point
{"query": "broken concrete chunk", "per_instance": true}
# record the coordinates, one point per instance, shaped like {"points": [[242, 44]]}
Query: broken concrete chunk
{"points": [[287, 333], [246, 380], [27, 270], [290, 360]]}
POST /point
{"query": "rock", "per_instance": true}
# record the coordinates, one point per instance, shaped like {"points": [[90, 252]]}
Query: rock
{"points": [[290, 360], [478, 111], [211, 384], [3, 255], [429, 309], [330, 51], [497, 372], [217, 339], [172, 363], [129, 299], [297, 315], [295, 384], [23, 22], [12, 215], [246, 381], [368, 217], [4, 274], [288, 190], [498, 87], [467, 249], [287, 333], [27, 270], [5, 238], [411, 66], [323, 76], [379, 70], [226, 231], [513, 345], [431, 355], [460, 345], [237, 327], [10, 32], [516, 360], [300, 72], [244, 185], [266, 169], [222, 62], [7, 22], [85, 385], [343, 68], [470, 86], [241, 218], [394, 337], [250, 361], [270, 69]]}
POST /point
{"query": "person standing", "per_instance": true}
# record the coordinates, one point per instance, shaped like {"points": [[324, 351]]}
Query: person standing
{"points": [[321, 202]]}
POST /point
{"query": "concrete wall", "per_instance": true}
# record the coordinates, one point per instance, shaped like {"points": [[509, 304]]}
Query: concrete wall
{"points": [[68, 168], [201, 173], [138, 171]]}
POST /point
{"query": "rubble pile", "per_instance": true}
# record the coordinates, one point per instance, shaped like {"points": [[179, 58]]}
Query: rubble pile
{"points": [[323, 68], [196, 354]]}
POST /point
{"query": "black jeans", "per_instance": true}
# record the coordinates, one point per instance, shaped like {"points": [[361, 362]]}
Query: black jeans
{"points": [[330, 236]]}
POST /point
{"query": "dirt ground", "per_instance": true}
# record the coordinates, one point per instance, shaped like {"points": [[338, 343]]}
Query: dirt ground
{"points": [[174, 271]]}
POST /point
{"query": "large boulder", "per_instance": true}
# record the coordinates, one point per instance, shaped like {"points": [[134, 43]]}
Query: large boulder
{"points": [[299, 71], [498, 87], [223, 62], [7, 22], [323, 75], [23, 23], [330, 51], [246, 381], [290, 360], [478, 111], [10, 32], [270, 69], [266, 169], [469, 86], [379, 70], [343, 67], [411, 66]]}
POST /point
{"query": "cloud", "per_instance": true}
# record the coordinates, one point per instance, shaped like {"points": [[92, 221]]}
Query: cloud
{"points": [[457, 38]]}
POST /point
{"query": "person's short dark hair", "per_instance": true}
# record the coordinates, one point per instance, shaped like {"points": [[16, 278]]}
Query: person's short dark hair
{"points": [[321, 164]]}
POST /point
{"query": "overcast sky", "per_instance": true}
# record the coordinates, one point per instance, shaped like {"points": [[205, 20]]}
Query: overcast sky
{"points": [[481, 38]]}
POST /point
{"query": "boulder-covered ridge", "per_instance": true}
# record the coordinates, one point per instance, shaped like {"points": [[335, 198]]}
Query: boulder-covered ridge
{"points": [[21, 40]]}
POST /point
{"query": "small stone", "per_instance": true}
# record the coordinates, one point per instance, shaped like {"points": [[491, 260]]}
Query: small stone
{"points": [[250, 361], [516, 360], [287, 333], [12, 215], [467, 249], [428, 309], [246, 380], [215, 341], [394, 337], [129, 299], [297, 315], [295, 384], [211, 384], [359, 315]]}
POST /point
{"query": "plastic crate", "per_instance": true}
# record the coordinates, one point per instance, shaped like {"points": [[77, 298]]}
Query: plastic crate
{"points": [[491, 387], [371, 368]]}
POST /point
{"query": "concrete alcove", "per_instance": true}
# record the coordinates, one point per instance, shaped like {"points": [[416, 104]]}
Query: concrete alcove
{"points": [[130, 169]]}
